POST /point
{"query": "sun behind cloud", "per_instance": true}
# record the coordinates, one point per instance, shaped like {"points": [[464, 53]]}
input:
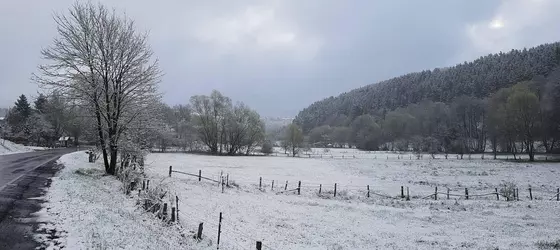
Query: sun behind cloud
{"points": [[497, 24]]}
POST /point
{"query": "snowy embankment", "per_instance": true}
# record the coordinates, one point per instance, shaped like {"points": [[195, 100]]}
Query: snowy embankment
{"points": [[353, 221], [8, 147], [86, 209]]}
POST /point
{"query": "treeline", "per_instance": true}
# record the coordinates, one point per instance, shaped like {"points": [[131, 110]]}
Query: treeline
{"points": [[478, 79], [523, 118], [214, 124], [43, 123], [208, 123]]}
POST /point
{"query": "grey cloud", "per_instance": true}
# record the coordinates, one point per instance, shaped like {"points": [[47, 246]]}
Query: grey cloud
{"points": [[277, 56]]}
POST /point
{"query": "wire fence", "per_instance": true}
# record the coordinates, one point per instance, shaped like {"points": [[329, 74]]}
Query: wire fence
{"points": [[321, 189], [205, 226]]}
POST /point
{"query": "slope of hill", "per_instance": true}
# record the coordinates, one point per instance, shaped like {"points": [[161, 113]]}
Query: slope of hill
{"points": [[478, 78], [8, 147]]}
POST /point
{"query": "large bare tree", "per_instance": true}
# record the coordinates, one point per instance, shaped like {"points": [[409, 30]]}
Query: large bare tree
{"points": [[101, 60]]}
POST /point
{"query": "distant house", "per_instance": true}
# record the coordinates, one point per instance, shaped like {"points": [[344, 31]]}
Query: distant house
{"points": [[64, 141]]}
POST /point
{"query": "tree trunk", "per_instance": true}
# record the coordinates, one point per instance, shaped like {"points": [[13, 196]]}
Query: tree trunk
{"points": [[531, 150], [102, 139], [113, 163], [494, 146], [514, 150]]}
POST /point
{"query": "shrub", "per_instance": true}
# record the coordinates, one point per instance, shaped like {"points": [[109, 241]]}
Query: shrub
{"points": [[267, 148], [507, 189], [549, 244]]}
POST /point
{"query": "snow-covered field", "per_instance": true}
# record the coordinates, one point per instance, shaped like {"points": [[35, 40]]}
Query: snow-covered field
{"points": [[353, 153], [88, 210], [8, 147], [353, 221]]}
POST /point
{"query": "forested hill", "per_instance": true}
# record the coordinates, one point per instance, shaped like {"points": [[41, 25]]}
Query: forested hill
{"points": [[478, 78]]}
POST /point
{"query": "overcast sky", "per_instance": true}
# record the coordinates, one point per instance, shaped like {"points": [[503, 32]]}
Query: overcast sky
{"points": [[280, 56]]}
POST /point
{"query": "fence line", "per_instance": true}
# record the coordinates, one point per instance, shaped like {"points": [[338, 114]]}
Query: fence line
{"points": [[413, 156], [364, 188], [233, 230], [187, 215]]}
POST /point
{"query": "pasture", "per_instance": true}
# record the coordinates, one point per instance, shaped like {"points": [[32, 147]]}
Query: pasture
{"points": [[254, 210]]}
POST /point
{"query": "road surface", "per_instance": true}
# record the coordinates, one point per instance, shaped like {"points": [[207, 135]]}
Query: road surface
{"points": [[22, 177]]}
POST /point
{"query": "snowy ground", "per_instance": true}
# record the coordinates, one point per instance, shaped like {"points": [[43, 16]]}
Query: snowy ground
{"points": [[353, 221], [8, 147], [353, 153], [87, 210]]}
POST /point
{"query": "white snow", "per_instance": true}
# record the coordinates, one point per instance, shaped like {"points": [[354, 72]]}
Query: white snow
{"points": [[352, 221], [8, 147], [88, 210]]}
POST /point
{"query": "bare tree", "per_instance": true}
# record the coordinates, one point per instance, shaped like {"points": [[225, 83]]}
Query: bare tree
{"points": [[101, 60], [255, 132], [294, 138]]}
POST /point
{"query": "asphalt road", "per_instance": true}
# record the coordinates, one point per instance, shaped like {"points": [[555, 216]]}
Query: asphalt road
{"points": [[23, 178]]}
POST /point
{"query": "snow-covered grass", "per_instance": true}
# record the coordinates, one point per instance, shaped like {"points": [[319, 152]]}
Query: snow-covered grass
{"points": [[360, 154], [8, 147], [86, 209], [353, 221]]}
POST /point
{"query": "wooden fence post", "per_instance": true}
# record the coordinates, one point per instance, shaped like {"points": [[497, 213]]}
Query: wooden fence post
{"points": [[514, 194], [530, 194], [199, 175], [435, 194], [164, 211], [260, 182], [172, 214], [299, 187], [219, 230], [320, 187], [368, 191], [199, 233], [407, 194], [497, 194], [272, 186], [558, 194], [448, 193], [223, 184], [259, 245], [170, 170], [177, 205], [148, 184], [466, 193], [144, 184], [335, 190], [286, 187], [402, 191], [227, 180]]}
